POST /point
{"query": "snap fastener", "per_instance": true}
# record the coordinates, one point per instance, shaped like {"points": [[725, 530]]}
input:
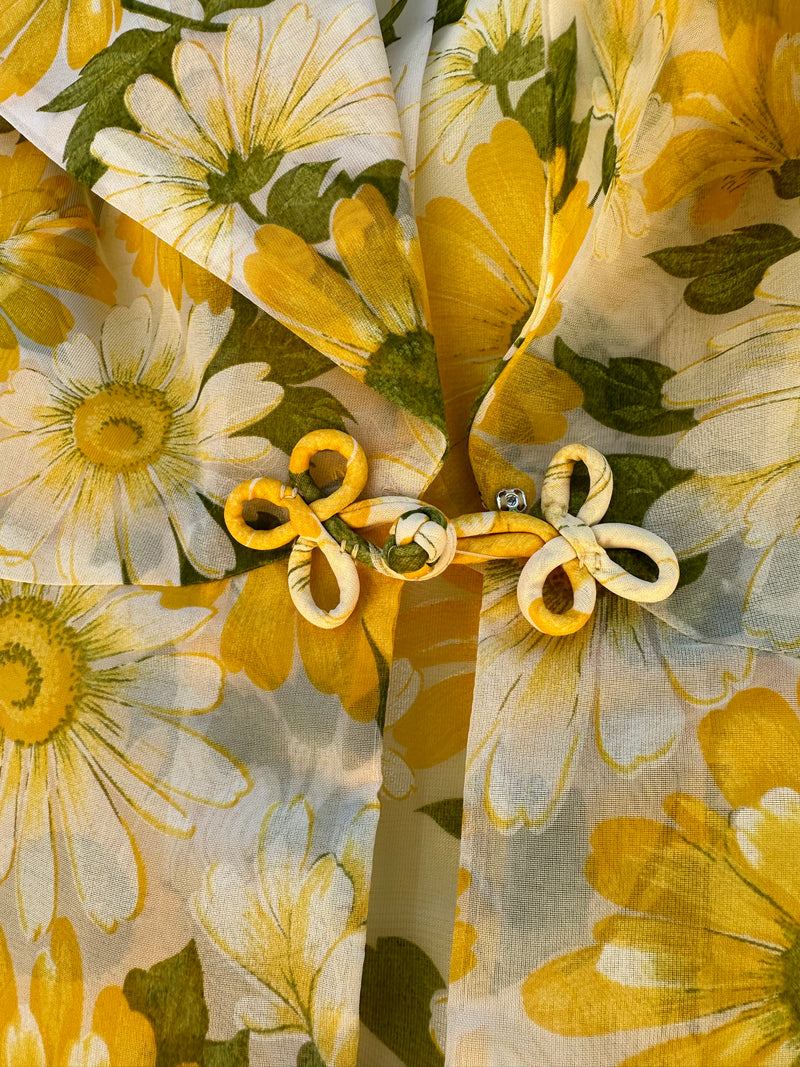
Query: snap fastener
{"points": [[512, 500]]}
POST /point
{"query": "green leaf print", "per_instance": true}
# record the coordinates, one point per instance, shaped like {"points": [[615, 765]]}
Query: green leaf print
{"points": [[546, 108], [447, 813], [217, 7], [100, 90], [404, 370], [388, 31], [302, 408], [296, 203], [609, 158], [235, 1052], [382, 669], [448, 11], [398, 982], [727, 269], [534, 112], [625, 393], [308, 1056], [255, 337], [170, 995]]}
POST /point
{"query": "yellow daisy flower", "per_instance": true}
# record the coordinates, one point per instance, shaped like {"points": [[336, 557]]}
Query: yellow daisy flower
{"points": [[30, 35], [749, 108], [175, 272], [298, 928], [485, 282], [496, 42], [263, 628], [374, 323], [35, 256], [710, 932], [278, 83], [91, 700], [113, 448], [49, 1030]]}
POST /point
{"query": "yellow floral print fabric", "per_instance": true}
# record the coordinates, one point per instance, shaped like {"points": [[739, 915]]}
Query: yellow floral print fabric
{"points": [[467, 233]]}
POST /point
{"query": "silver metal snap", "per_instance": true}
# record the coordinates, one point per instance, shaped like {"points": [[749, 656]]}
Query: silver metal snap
{"points": [[512, 500]]}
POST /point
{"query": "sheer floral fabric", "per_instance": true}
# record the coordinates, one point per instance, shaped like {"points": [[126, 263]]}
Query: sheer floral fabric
{"points": [[466, 233]]}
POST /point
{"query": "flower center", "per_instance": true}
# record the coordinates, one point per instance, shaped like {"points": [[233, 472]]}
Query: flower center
{"points": [[404, 368], [124, 427], [42, 670], [243, 177], [787, 180], [516, 61]]}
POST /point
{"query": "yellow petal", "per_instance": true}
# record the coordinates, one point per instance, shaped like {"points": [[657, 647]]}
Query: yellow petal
{"points": [[34, 311], [750, 32], [23, 1045], [702, 84], [9, 350], [89, 29], [644, 970], [443, 631], [170, 272], [8, 987], [34, 51], [258, 635], [345, 661], [373, 248], [781, 95], [436, 725], [59, 261], [142, 243], [127, 1033], [650, 867], [199, 595], [570, 226], [718, 200], [13, 18], [202, 285], [308, 295], [508, 181], [472, 280], [752, 745], [534, 414], [462, 958], [696, 158], [753, 1038], [57, 992]]}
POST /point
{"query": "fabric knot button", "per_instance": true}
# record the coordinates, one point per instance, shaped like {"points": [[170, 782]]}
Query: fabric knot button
{"points": [[582, 541], [421, 541]]}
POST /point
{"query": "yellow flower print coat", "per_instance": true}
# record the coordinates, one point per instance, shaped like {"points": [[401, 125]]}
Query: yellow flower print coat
{"points": [[449, 239]]}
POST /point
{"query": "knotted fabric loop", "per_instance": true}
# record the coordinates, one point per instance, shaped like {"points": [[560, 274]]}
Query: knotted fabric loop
{"points": [[420, 545], [489, 535], [422, 542], [582, 538]]}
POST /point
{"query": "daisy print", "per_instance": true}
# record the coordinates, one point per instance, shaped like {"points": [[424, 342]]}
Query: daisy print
{"points": [[112, 450], [277, 85], [92, 698]]}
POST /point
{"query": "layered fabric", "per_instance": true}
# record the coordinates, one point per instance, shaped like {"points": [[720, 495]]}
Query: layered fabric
{"points": [[461, 235]]}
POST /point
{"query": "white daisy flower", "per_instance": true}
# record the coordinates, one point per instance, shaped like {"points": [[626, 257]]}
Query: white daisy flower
{"points": [[278, 83], [92, 693], [113, 451]]}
